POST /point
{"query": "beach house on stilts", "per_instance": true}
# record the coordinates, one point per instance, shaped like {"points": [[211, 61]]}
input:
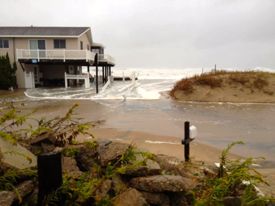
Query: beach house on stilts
{"points": [[54, 56]]}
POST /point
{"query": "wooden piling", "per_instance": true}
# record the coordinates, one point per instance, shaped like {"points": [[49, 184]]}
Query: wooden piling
{"points": [[96, 73], [103, 75]]}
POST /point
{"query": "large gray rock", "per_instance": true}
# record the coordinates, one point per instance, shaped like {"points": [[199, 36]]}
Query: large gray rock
{"points": [[70, 167], [174, 166], [7, 198], [130, 197], [160, 199], [162, 183], [111, 152], [171, 165], [150, 167], [18, 161], [168, 163], [86, 157]]}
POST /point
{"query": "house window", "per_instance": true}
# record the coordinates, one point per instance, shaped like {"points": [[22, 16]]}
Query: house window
{"points": [[95, 50], [81, 45], [88, 47], [4, 43], [59, 43]]}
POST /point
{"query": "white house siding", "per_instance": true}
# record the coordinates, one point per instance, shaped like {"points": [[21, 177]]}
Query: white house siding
{"points": [[20, 76], [49, 71], [20, 43], [53, 71], [86, 42], [71, 43]]}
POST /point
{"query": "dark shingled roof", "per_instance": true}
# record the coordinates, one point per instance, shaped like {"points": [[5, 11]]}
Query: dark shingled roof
{"points": [[42, 31]]}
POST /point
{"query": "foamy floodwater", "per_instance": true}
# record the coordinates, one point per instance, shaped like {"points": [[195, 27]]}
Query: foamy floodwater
{"points": [[126, 107], [117, 90], [150, 84], [218, 124]]}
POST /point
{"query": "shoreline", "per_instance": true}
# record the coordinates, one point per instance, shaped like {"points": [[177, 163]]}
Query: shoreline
{"points": [[225, 102], [167, 145], [163, 95]]}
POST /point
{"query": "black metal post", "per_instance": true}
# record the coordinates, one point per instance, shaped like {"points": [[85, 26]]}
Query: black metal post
{"points": [[186, 141], [49, 175], [96, 72], [106, 73], [103, 75]]}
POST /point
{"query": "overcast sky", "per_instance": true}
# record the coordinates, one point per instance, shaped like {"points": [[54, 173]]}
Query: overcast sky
{"points": [[163, 33]]}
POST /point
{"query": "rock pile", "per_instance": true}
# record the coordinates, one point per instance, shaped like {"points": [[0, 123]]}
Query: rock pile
{"points": [[112, 173], [129, 176]]}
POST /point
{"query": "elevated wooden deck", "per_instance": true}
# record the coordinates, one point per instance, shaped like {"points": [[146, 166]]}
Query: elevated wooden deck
{"points": [[55, 56]]}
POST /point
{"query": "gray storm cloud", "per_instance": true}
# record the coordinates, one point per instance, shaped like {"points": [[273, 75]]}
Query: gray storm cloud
{"points": [[163, 33]]}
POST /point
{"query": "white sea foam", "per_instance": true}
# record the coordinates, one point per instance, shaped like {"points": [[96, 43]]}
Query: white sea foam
{"points": [[151, 82], [160, 142]]}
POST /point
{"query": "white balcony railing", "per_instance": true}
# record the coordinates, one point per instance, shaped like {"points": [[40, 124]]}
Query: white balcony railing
{"points": [[57, 54], [106, 58]]}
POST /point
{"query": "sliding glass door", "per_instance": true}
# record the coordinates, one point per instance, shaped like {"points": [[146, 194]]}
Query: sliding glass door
{"points": [[37, 45]]}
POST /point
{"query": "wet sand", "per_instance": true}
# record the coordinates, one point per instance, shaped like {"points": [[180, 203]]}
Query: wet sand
{"points": [[157, 144], [218, 125]]}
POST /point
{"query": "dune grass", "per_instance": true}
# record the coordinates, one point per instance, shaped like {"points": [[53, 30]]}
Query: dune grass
{"points": [[253, 80]]}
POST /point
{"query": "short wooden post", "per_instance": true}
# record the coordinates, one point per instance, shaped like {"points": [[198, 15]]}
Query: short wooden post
{"points": [[186, 141], [49, 175]]}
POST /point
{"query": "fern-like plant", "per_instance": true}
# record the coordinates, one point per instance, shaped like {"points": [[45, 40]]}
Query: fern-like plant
{"points": [[235, 178]]}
